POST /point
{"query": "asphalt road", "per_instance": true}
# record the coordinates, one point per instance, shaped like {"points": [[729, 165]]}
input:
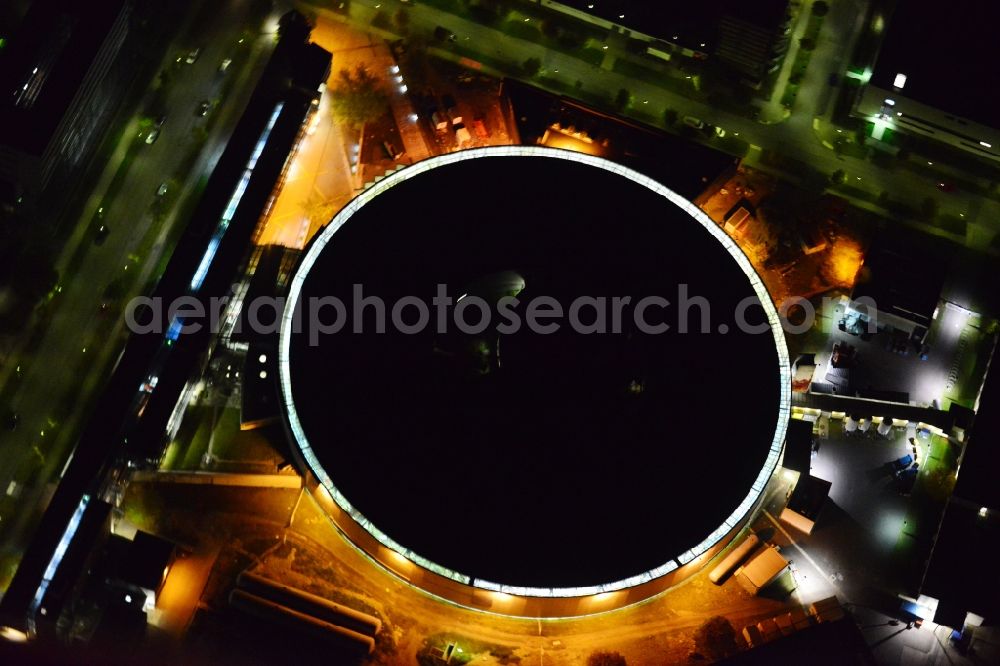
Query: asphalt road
{"points": [[67, 365], [794, 138], [657, 631]]}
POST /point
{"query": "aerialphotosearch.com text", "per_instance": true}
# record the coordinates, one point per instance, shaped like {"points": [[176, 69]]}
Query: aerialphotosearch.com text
{"points": [[471, 314]]}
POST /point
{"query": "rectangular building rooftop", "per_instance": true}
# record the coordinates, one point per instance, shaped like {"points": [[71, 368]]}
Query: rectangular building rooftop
{"points": [[946, 54], [44, 64]]}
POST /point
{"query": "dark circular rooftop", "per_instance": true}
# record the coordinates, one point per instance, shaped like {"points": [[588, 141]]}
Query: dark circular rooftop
{"points": [[555, 460]]}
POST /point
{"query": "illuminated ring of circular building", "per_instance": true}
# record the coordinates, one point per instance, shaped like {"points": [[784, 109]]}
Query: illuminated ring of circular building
{"points": [[466, 589]]}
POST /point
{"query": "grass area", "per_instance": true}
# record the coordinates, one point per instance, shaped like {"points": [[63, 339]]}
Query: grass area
{"points": [[952, 224], [450, 6], [185, 452], [852, 149], [220, 426], [198, 446], [521, 30], [732, 145], [659, 78], [933, 486], [788, 97], [499, 64], [801, 62], [114, 187], [227, 427], [590, 54]]}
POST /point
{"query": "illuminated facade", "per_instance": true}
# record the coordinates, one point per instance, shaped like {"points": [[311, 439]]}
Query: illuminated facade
{"points": [[463, 588]]}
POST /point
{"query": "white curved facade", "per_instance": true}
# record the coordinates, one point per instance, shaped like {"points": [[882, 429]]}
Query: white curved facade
{"points": [[739, 515]]}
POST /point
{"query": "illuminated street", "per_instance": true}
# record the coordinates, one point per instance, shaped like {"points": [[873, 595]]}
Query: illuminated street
{"points": [[499, 332], [44, 383]]}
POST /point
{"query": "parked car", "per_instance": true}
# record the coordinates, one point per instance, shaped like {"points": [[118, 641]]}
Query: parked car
{"points": [[162, 189], [902, 463], [696, 123], [225, 64], [390, 150], [192, 56], [462, 135], [100, 228], [154, 133], [101, 234], [479, 127], [203, 108]]}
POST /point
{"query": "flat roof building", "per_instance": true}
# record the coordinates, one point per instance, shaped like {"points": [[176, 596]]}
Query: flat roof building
{"points": [[538, 117], [903, 277], [748, 38], [962, 572], [203, 266], [61, 79], [930, 78]]}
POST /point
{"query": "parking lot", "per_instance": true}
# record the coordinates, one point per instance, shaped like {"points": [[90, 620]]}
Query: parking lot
{"points": [[873, 522], [956, 337], [869, 532]]}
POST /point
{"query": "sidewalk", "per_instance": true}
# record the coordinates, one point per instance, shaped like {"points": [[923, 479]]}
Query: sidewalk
{"points": [[772, 111]]}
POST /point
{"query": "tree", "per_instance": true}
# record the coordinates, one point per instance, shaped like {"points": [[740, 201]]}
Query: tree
{"points": [[549, 28], [569, 39], [716, 639], [603, 658], [415, 65], [807, 44], [402, 19], [381, 20], [670, 116], [320, 210], [357, 97], [623, 99], [842, 263], [929, 207], [795, 79], [487, 11], [532, 66], [838, 177], [820, 8], [33, 274], [442, 34], [294, 26]]}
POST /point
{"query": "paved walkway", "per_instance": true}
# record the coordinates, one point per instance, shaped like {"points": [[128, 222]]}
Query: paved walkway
{"points": [[289, 481]]}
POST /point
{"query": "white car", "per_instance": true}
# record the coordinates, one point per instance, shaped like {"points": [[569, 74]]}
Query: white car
{"points": [[162, 189], [696, 123], [192, 56]]}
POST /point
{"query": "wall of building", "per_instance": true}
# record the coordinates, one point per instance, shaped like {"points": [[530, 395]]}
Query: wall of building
{"points": [[912, 117]]}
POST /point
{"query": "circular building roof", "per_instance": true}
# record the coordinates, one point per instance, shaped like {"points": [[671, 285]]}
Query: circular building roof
{"points": [[588, 458]]}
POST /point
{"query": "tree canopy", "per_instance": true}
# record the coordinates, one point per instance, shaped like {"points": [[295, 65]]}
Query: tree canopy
{"points": [[357, 97], [604, 658]]}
